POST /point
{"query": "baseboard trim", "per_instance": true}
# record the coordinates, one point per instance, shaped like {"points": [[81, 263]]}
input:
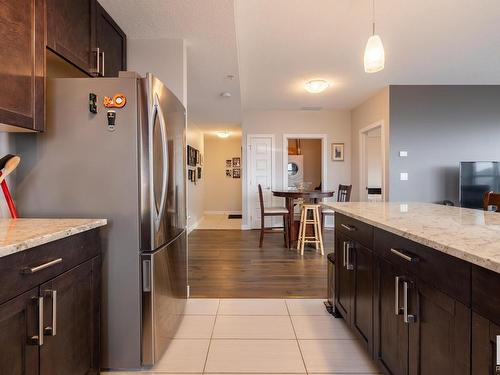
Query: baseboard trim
{"points": [[245, 227], [222, 212], [194, 225]]}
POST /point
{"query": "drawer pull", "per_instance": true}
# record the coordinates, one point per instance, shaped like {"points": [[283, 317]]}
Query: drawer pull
{"points": [[350, 228], [31, 270], [397, 309], [406, 257]]}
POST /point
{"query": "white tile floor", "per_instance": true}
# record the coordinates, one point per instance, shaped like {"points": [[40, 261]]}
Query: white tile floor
{"points": [[219, 222], [261, 336]]}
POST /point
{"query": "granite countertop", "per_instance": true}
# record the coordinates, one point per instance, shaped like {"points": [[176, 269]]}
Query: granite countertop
{"points": [[471, 235], [21, 234]]}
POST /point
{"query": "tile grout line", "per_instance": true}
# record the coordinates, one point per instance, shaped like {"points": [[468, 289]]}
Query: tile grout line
{"points": [[211, 335], [296, 338]]}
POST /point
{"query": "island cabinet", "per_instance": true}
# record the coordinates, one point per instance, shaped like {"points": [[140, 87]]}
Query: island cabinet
{"points": [[49, 308], [409, 304], [355, 273], [485, 321]]}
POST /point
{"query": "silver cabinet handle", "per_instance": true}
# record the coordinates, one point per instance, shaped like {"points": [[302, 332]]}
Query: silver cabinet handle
{"points": [[408, 318], [97, 69], [31, 270], [38, 339], [350, 228], [397, 309], [52, 330], [349, 265], [102, 69], [406, 257], [344, 254]]}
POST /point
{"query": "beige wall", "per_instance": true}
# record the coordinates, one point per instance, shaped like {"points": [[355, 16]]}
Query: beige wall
{"points": [[311, 150], [222, 194], [336, 125], [372, 110], [195, 193]]}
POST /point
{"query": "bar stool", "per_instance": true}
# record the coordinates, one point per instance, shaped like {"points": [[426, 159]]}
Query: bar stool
{"points": [[317, 239]]}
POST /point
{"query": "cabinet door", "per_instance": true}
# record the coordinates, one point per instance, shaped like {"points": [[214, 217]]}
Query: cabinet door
{"points": [[18, 324], [391, 333], [362, 295], [112, 44], [440, 336], [22, 47], [71, 322], [343, 275], [484, 346], [70, 31]]}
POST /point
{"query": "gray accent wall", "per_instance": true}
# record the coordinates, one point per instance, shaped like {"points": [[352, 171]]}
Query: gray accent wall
{"points": [[440, 126]]}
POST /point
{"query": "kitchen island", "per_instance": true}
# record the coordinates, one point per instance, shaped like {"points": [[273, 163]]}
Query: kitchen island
{"points": [[419, 285], [50, 296]]}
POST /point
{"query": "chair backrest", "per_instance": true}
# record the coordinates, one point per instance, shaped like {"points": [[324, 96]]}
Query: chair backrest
{"points": [[261, 200], [344, 193], [491, 198]]}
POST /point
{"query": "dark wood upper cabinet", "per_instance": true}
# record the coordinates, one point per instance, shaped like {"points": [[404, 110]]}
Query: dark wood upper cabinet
{"points": [[71, 32], [18, 324], [112, 44], [22, 53]]}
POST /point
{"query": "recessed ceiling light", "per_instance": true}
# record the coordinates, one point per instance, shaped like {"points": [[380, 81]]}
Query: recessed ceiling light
{"points": [[224, 134], [316, 86], [230, 76], [225, 94]]}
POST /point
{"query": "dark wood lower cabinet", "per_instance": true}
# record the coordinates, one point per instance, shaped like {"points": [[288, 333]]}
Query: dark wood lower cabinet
{"points": [[61, 337], [391, 333], [18, 323], [484, 346], [439, 339], [343, 275], [70, 304]]}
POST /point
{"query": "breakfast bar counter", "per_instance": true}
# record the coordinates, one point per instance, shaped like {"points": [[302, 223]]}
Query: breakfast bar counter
{"points": [[418, 284]]}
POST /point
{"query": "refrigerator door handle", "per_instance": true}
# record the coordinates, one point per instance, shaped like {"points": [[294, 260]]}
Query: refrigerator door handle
{"points": [[163, 130]]}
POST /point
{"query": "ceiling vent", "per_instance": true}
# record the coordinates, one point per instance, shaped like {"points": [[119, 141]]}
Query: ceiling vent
{"points": [[311, 108]]}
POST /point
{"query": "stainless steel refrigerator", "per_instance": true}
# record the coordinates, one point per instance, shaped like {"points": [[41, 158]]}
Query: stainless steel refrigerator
{"points": [[131, 172]]}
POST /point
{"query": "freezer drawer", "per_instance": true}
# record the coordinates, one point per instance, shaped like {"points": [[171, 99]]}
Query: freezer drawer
{"points": [[164, 294]]}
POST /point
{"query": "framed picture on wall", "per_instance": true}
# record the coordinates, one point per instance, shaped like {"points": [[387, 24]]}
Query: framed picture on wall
{"points": [[199, 172], [337, 151], [237, 173], [236, 162], [229, 173], [229, 163]]}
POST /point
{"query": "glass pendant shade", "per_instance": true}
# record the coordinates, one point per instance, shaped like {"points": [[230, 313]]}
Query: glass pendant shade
{"points": [[374, 55]]}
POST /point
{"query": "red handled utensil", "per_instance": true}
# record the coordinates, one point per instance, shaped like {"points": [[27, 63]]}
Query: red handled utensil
{"points": [[7, 165]]}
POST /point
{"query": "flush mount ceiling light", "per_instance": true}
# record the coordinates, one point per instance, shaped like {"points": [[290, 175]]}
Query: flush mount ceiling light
{"points": [[224, 134], [374, 58], [315, 86], [225, 94]]}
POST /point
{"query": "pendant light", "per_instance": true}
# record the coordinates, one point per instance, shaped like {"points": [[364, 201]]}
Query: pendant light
{"points": [[374, 51]]}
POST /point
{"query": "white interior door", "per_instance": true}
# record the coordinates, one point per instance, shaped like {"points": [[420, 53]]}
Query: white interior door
{"points": [[261, 172]]}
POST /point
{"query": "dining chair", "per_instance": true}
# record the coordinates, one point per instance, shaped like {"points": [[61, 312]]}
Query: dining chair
{"points": [[343, 195], [271, 211], [491, 198]]}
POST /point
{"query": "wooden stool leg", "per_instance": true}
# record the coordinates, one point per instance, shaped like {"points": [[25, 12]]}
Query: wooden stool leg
{"points": [[315, 228], [320, 235], [261, 231], [303, 232], [300, 228]]}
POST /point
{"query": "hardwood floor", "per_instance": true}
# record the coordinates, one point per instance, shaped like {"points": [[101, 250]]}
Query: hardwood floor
{"points": [[229, 264]]}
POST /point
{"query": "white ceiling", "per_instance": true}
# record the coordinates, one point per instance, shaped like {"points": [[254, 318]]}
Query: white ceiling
{"points": [[209, 31], [274, 46]]}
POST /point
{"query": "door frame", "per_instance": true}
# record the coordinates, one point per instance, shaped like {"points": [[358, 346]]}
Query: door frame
{"points": [[362, 164], [324, 156], [250, 176]]}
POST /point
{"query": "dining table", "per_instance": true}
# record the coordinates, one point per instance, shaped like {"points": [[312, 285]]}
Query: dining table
{"points": [[291, 196]]}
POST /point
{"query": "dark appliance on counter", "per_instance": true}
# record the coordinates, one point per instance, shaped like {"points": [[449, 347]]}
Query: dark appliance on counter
{"points": [[476, 178], [115, 148]]}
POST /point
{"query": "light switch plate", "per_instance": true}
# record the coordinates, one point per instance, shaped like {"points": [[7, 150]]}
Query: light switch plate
{"points": [[403, 154], [403, 176]]}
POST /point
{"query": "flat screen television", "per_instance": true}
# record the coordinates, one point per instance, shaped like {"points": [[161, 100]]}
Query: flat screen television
{"points": [[477, 177]]}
